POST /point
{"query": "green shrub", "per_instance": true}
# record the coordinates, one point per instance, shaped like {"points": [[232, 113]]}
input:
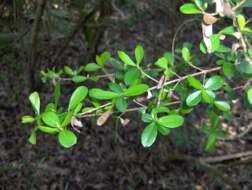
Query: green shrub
{"points": [[164, 92]]}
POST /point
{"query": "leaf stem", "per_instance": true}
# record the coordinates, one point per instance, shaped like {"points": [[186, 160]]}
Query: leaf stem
{"points": [[186, 76]]}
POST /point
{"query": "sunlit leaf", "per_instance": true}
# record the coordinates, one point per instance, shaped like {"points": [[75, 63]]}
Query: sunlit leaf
{"points": [[78, 96], [35, 101], [100, 94], [171, 121], [194, 98], [67, 138], [149, 135], [190, 8], [125, 58]]}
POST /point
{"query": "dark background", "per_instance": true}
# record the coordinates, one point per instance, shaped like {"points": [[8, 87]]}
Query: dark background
{"points": [[108, 157]]}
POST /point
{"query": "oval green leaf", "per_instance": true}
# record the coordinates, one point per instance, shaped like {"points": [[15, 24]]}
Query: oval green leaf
{"points": [[27, 119], [136, 90], [125, 58], [51, 119], [190, 8], [162, 63], [79, 79], [214, 83], [132, 76], [186, 54], [194, 83], [139, 54], [149, 135], [92, 67], [33, 137], [121, 104], [100, 94], [78, 95], [48, 130], [222, 105], [35, 101], [67, 138], [171, 121], [249, 95], [208, 96], [194, 98]]}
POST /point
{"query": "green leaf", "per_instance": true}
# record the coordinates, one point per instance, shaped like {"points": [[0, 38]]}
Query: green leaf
{"points": [[163, 130], [77, 97], [194, 98], [228, 69], [33, 137], [241, 22], [250, 52], [160, 109], [223, 49], [35, 101], [186, 54], [169, 57], [126, 59], [208, 96], [116, 64], [162, 63], [215, 42], [56, 93], [245, 67], [50, 107], [79, 79], [121, 104], [49, 130], [115, 87], [78, 108], [249, 95], [100, 94], [190, 8], [139, 54], [27, 119], [195, 83], [214, 83], [171, 121], [222, 105], [68, 70], [51, 119], [136, 90], [67, 138], [91, 67], [132, 76], [67, 118], [147, 118], [203, 47], [211, 141], [149, 135], [103, 58], [228, 30]]}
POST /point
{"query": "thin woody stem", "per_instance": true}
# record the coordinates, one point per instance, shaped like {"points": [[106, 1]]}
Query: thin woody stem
{"points": [[186, 76]]}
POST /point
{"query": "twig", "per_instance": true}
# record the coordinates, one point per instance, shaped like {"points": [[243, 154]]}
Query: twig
{"points": [[185, 77], [178, 30], [94, 109], [238, 5], [233, 156]]}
